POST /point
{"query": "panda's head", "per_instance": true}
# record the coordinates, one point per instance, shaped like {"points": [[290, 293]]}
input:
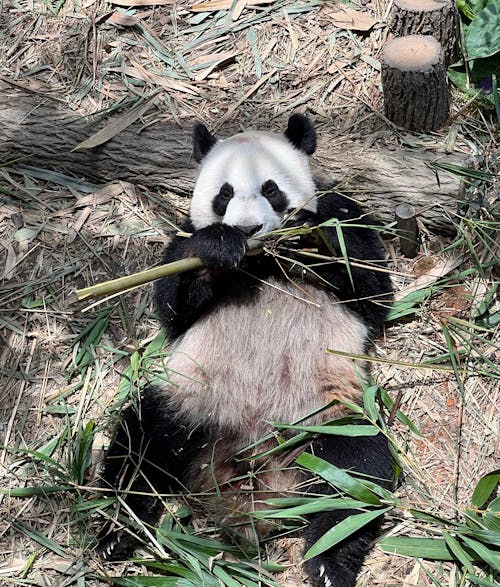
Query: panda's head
{"points": [[251, 180]]}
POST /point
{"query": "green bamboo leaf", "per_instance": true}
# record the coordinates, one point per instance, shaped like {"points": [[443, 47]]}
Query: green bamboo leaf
{"points": [[494, 505], [459, 552], [481, 581], [489, 537], [482, 36], [39, 538], [369, 402], [485, 488], [338, 478], [31, 491], [153, 582], [487, 555], [221, 574], [431, 518], [334, 429], [327, 504], [427, 548], [93, 504], [343, 251], [342, 530], [492, 521]]}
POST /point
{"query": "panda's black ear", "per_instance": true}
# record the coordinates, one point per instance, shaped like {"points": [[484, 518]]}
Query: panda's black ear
{"points": [[203, 141], [300, 132]]}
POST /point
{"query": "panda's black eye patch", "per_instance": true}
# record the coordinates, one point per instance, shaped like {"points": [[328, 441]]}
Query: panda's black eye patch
{"points": [[274, 195], [219, 205]]}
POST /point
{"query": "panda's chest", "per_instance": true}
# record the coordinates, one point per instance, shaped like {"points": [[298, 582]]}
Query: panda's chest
{"points": [[267, 359]]}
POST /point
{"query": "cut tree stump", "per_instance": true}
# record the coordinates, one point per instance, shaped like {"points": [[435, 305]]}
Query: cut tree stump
{"points": [[41, 133], [438, 18], [407, 227], [414, 82]]}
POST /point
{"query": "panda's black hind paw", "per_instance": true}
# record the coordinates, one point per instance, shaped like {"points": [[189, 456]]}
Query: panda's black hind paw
{"points": [[117, 546], [324, 573]]}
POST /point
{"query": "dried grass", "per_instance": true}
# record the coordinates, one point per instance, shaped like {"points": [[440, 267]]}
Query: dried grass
{"points": [[249, 65]]}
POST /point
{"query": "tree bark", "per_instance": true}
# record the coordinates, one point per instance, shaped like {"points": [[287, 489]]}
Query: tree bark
{"points": [[159, 157], [438, 18], [414, 83]]}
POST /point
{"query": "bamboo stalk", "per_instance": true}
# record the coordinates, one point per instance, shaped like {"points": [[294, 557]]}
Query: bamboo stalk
{"points": [[120, 284], [129, 281]]}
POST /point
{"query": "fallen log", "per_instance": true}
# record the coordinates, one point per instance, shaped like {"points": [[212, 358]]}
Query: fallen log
{"points": [[38, 131]]}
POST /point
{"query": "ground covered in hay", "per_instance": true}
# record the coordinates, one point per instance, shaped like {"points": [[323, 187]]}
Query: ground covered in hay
{"points": [[66, 367]]}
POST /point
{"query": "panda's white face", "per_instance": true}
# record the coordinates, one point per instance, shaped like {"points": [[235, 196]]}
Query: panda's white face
{"points": [[250, 181]]}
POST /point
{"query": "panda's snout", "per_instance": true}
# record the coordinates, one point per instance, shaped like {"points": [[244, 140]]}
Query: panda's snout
{"points": [[249, 230]]}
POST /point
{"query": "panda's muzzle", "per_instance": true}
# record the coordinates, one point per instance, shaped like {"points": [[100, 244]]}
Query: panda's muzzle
{"points": [[249, 230]]}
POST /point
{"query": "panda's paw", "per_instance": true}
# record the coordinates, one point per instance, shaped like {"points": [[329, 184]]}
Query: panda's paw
{"points": [[117, 546], [219, 246], [323, 572]]}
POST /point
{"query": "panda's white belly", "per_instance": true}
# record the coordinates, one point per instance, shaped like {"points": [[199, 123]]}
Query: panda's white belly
{"points": [[266, 360]]}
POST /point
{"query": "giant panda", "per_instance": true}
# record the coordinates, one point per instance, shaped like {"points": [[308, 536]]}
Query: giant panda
{"points": [[249, 337]]}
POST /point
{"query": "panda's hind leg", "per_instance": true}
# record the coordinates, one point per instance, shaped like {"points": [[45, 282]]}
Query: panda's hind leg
{"points": [[369, 455], [147, 457]]}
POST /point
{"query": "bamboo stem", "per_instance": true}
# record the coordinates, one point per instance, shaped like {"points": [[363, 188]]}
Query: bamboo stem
{"points": [[120, 284]]}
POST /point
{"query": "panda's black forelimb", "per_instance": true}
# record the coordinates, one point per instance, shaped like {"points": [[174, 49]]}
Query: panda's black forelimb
{"points": [[370, 456], [147, 458], [181, 299]]}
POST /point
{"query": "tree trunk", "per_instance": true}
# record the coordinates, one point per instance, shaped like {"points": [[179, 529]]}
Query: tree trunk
{"points": [[414, 83], [438, 18], [159, 158]]}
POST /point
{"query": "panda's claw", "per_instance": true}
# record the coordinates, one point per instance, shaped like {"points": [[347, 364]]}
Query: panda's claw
{"points": [[117, 546]]}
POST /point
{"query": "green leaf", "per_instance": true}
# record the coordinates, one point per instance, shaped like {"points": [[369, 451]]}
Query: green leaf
{"points": [[494, 505], [427, 548], [482, 36], [313, 506], [485, 488], [459, 552], [487, 555], [369, 401], [334, 429], [152, 582], [481, 581], [489, 537], [492, 521], [470, 8], [37, 537], [338, 478], [342, 530], [31, 491]]}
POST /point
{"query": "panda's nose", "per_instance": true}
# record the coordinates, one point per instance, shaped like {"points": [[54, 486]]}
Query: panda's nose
{"points": [[249, 230]]}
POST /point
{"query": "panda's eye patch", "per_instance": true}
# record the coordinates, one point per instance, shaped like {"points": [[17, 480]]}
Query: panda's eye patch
{"points": [[274, 195], [222, 199]]}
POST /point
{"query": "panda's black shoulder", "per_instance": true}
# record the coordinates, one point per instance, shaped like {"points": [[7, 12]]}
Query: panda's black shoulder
{"points": [[333, 204], [361, 230]]}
